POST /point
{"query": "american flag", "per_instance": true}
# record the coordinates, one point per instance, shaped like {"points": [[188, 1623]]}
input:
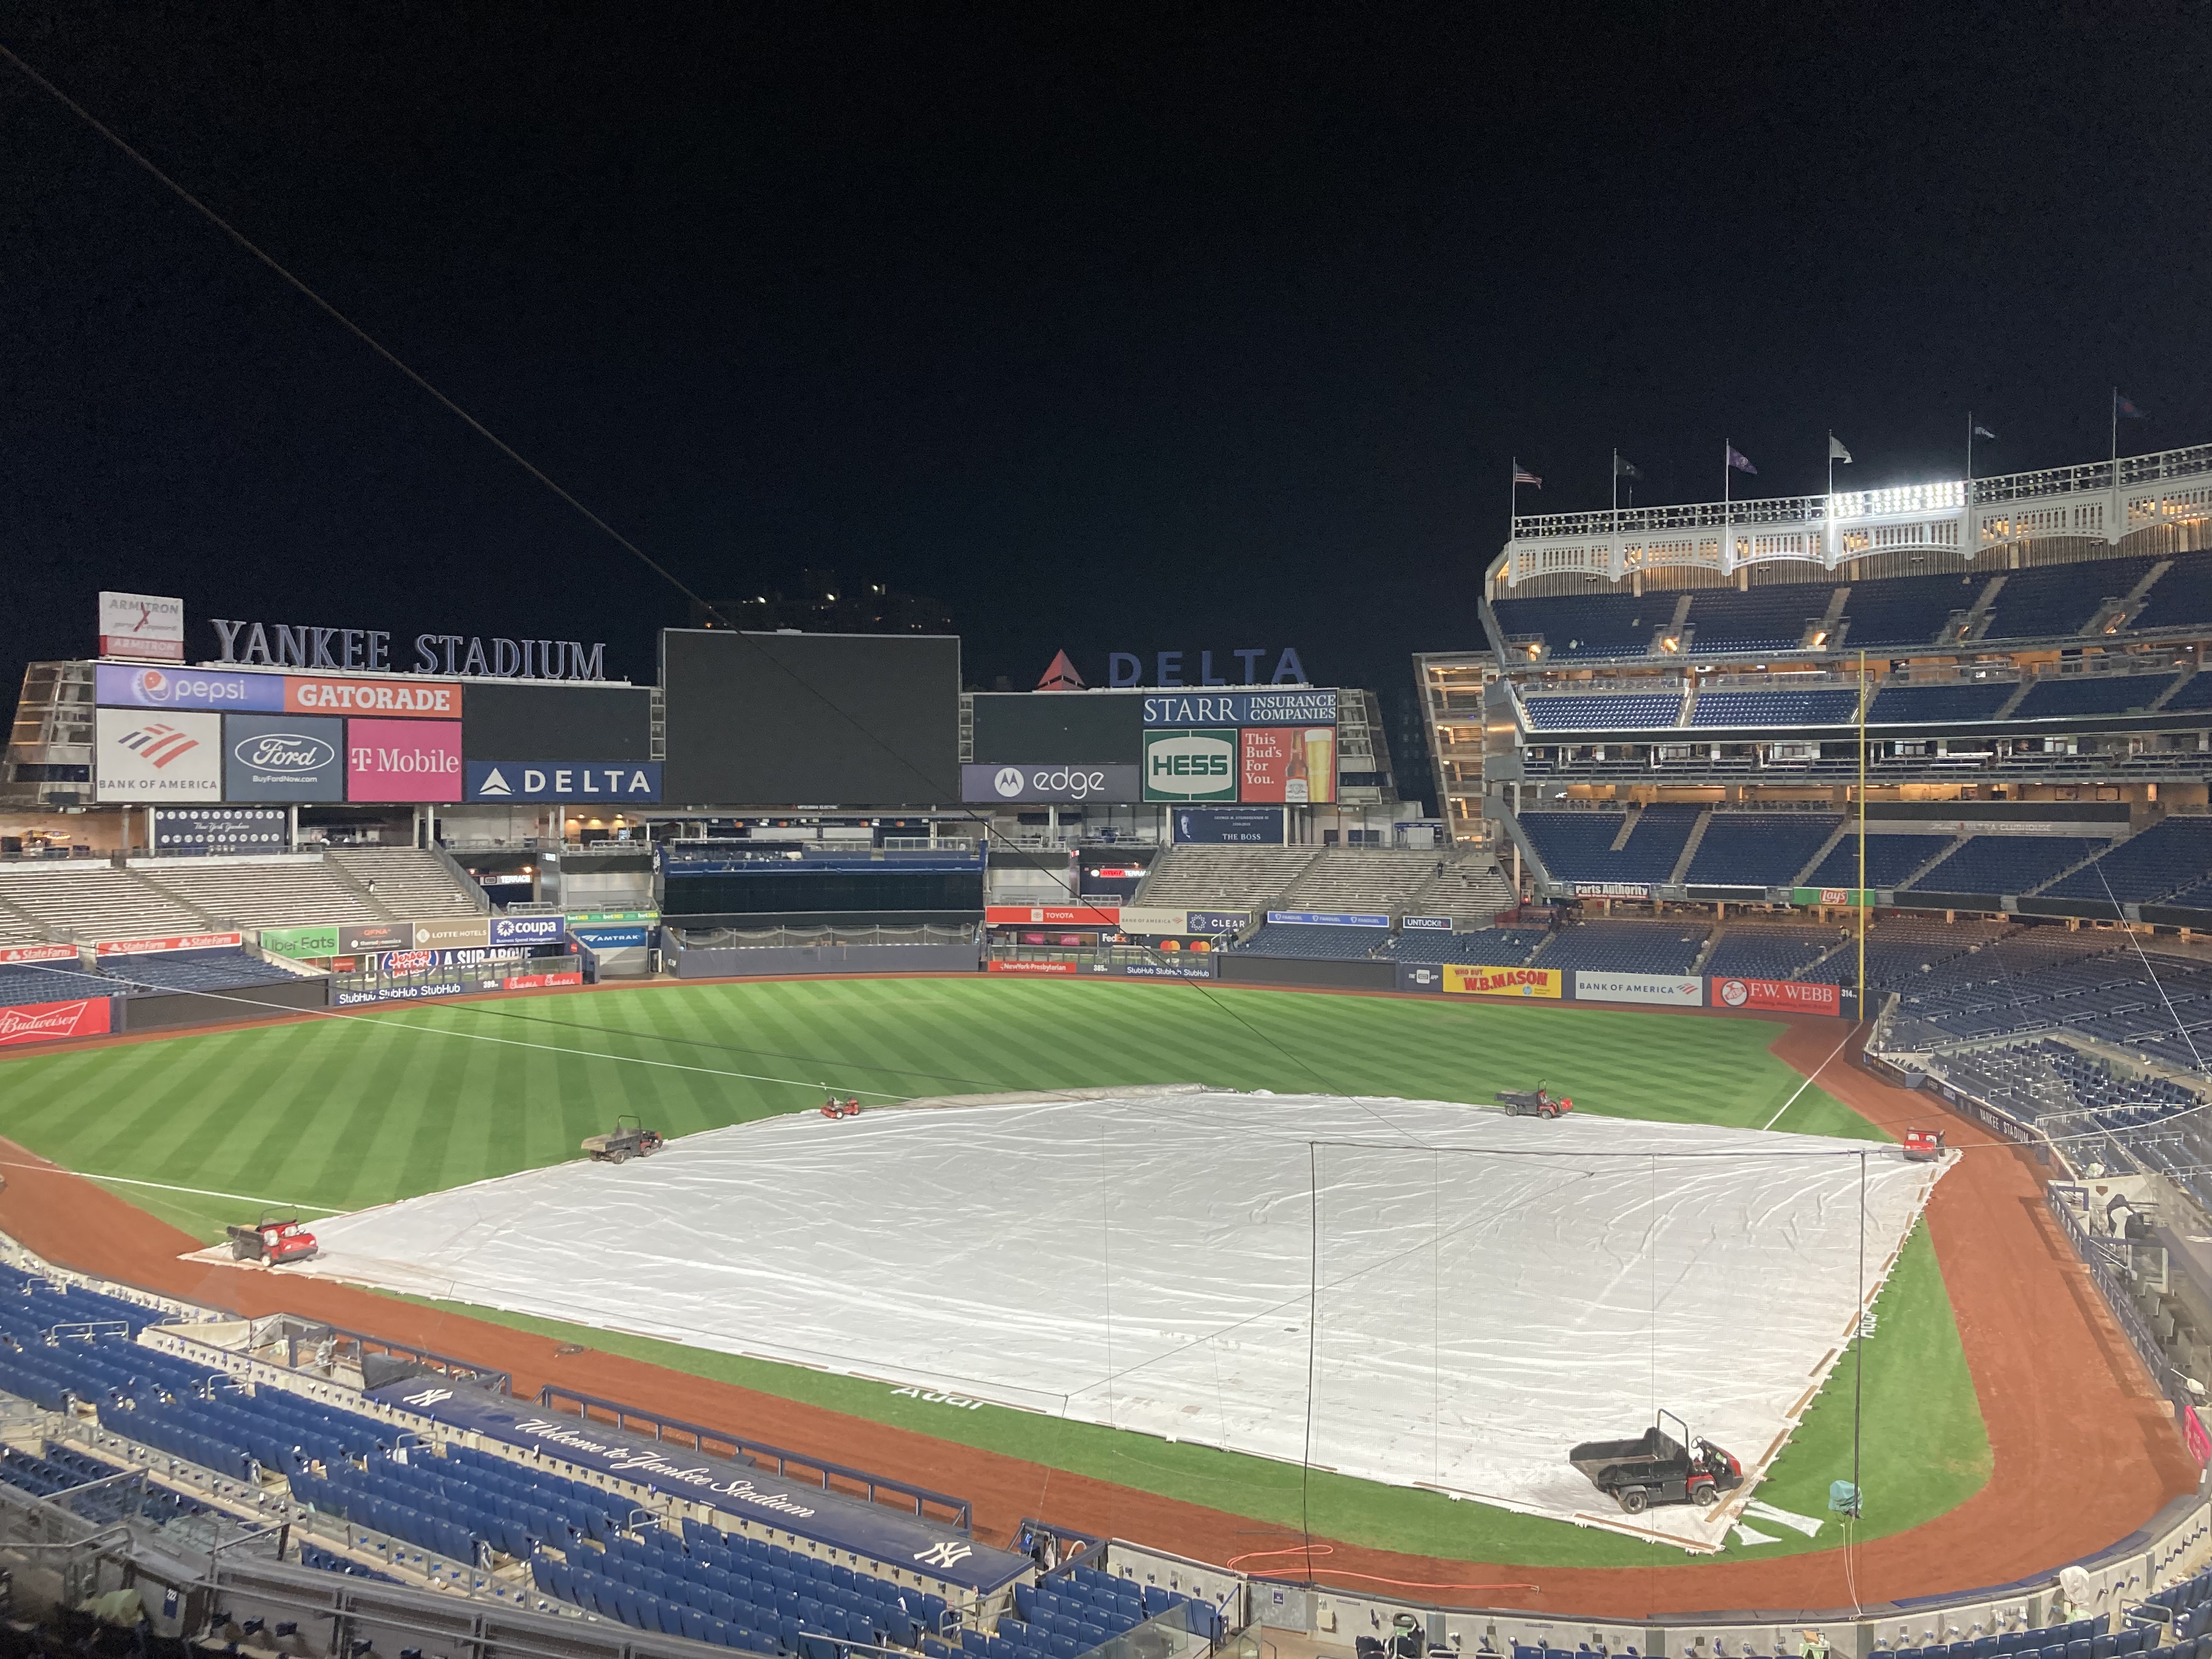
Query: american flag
{"points": [[1522, 475], [2125, 409]]}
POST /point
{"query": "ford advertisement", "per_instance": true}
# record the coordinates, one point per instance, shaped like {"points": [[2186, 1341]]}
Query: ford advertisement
{"points": [[284, 757]]}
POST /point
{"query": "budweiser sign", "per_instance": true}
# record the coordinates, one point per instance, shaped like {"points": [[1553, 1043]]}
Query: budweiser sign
{"points": [[50, 1022]]}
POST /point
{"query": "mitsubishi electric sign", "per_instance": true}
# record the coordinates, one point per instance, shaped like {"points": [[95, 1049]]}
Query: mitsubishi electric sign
{"points": [[1068, 784], [583, 782]]}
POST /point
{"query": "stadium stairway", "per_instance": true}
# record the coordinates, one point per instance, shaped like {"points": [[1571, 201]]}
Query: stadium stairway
{"points": [[1472, 890], [1224, 877], [407, 882], [1681, 869]]}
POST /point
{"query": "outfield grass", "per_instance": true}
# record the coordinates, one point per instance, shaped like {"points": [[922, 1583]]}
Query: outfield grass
{"points": [[339, 1114]]}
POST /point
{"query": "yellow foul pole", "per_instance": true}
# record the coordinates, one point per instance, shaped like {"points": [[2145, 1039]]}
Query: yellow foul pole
{"points": [[1862, 787]]}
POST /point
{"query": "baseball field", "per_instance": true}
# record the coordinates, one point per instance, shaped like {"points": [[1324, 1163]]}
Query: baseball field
{"points": [[342, 1113]]}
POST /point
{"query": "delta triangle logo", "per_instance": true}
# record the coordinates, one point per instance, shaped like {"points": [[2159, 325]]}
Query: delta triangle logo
{"points": [[494, 784], [1061, 675]]}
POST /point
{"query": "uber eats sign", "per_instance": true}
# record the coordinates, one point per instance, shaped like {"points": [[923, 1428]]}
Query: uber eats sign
{"points": [[1186, 766]]}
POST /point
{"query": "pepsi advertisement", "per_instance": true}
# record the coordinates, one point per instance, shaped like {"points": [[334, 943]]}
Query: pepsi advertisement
{"points": [[284, 757], [122, 685]]}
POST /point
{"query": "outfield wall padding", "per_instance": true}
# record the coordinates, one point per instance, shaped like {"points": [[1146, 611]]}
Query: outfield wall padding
{"points": [[169, 1011], [743, 961], [1237, 970]]}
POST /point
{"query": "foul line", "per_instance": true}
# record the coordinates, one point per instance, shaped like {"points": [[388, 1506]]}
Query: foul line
{"points": [[1808, 1083], [165, 1186]]}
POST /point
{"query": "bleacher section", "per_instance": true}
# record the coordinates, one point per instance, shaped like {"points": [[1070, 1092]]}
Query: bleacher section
{"points": [[2082, 1638], [1758, 850], [1480, 947], [2052, 601], [1360, 880], [93, 900], [1596, 625], [1926, 705], [2194, 695], [1906, 609], [51, 981], [1603, 714], [1668, 946], [1577, 845], [1901, 950], [286, 892], [1318, 944], [2180, 598], [229, 971], [2006, 864], [2172, 854], [1769, 618], [2091, 694], [1224, 877], [1471, 892], [408, 883], [1889, 859], [1821, 708], [1757, 951]]}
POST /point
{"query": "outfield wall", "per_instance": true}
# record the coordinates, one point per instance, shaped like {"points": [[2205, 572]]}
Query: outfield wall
{"points": [[772, 960]]}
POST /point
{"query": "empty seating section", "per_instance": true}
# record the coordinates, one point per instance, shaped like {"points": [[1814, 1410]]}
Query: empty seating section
{"points": [[51, 981], [1758, 849], [1924, 705], [1889, 859], [2090, 694], [231, 971], [1906, 609], [1901, 950], [1224, 877], [2180, 598], [1602, 714], [1627, 947], [1361, 880], [1762, 952], [94, 901], [464, 1500], [1277, 939], [1593, 625], [2172, 854], [2082, 1638], [253, 892], [1825, 708], [2046, 1079], [408, 882], [1577, 845], [1472, 891], [1480, 947], [1759, 619], [31, 1305], [18, 929], [2196, 694], [56, 1469], [2006, 864], [2051, 600]]}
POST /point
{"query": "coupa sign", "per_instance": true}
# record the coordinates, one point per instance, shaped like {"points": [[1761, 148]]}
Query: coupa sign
{"points": [[1187, 766]]}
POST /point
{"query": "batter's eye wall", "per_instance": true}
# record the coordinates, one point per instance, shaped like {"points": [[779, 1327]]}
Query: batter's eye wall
{"points": [[805, 719], [556, 723], [1055, 728]]}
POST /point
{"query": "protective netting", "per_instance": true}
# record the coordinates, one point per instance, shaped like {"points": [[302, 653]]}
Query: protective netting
{"points": [[1459, 1295]]}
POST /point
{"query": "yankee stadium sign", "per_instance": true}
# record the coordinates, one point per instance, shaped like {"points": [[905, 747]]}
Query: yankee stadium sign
{"points": [[289, 645]]}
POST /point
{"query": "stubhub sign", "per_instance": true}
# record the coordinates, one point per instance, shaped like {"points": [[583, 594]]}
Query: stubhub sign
{"points": [[562, 780]]}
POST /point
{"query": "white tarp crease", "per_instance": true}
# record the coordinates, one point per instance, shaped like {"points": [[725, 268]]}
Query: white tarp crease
{"points": [[1469, 1294]]}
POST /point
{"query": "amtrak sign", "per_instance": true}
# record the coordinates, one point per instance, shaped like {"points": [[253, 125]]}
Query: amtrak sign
{"points": [[579, 782]]}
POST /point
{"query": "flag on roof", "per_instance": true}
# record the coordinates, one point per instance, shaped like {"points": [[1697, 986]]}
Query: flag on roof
{"points": [[1739, 460], [1522, 475], [1624, 468], [1981, 431], [2125, 410], [1836, 450]]}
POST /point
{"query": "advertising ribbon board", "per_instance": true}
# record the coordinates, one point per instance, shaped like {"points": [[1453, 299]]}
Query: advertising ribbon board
{"points": [[540, 981], [52, 1021], [1793, 995], [1427, 924], [528, 930], [602, 918], [301, 942], [141, 625], [400, 993], [167, 944], [372, 936], [119, 686], [12, 953], [1163, 919], [1668, 990], [1461, 980], [611, 938], [452, 935], [1848, 898], [1328, 918], [1228, 826], [1613, 889], [998, 967], [1067, 915]]}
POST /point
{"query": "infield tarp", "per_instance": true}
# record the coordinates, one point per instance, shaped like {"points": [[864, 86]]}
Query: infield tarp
{"points": [[1491, 1290]]}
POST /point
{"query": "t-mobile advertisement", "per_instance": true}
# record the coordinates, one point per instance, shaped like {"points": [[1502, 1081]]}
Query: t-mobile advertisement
{"points": [[403, 760]]}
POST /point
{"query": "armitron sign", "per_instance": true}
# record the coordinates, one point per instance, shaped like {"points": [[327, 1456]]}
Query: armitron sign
{"points": [[1501, 982]]}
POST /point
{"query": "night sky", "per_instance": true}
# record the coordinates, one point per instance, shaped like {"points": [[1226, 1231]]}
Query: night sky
{"points": [[1130, 327]]}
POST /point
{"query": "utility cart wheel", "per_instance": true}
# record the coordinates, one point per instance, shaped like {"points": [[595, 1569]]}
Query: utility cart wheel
{"points": [[1634, 1499]]}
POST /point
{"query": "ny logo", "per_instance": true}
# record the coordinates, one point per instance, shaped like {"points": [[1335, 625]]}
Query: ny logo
{"points": [[944, 1554], [428, 1397]]}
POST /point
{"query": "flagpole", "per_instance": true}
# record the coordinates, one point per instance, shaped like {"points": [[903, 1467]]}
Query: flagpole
{"points": [[1862, 894], [1832, 473], [2115, 413], [1616, 486], [1970, 457]]}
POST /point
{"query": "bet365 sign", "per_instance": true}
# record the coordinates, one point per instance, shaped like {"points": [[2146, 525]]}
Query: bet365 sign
{"points": [[1190, 766]]}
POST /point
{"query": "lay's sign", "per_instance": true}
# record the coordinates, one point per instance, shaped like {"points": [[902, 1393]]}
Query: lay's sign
{"points": [[1503, 982]]}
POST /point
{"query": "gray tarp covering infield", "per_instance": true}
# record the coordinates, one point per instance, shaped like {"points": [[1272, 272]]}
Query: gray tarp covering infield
{"points": [[1492, 1289]]}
